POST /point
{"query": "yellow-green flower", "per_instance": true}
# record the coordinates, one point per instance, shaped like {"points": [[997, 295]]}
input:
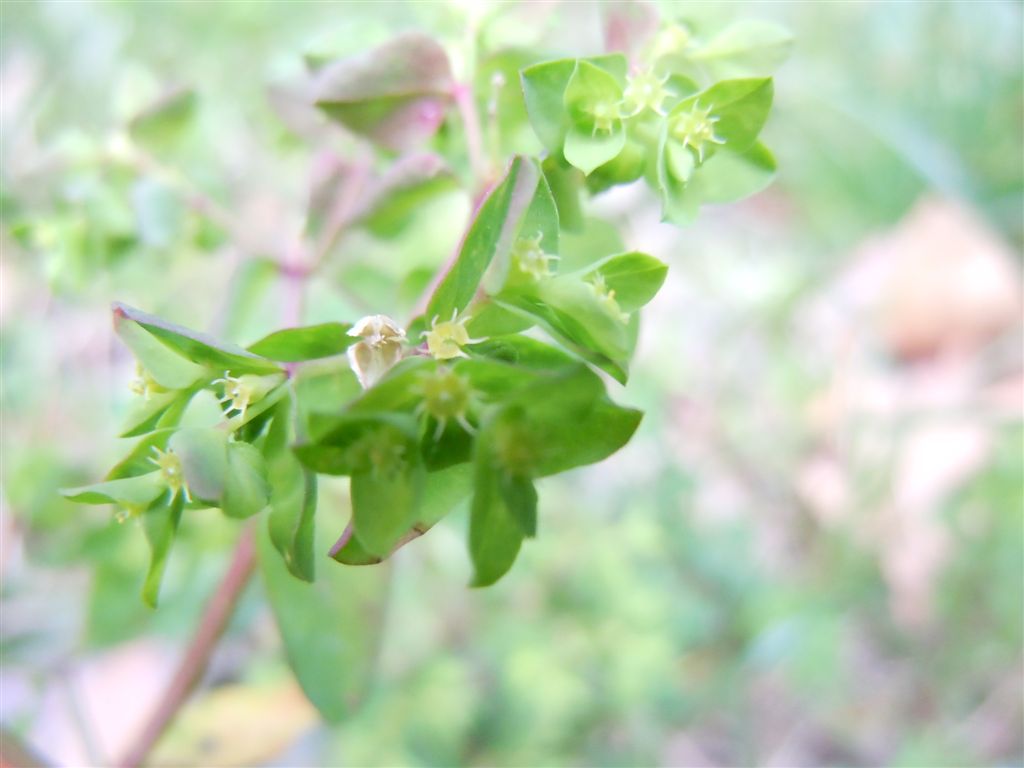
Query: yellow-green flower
{"points": [[530, 260], [446, 395], [645, 90], [143, 383], [242, 391], [446, 339], [606, 299], [170, 470], [695, 129]]}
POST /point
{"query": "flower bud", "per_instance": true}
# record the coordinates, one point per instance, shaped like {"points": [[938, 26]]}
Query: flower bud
{"points": [[380, 348]]}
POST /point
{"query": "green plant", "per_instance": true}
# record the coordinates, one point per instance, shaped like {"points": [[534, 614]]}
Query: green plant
{"points": [[496, 379]]}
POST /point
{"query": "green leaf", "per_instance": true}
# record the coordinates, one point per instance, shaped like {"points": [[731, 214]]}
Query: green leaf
{"points": [[335, 449], [587, 151], [679, 161], [494, 230], [194, 346], [204, 461], [572, 310], [399, 390], [679, 202], [491, 319], [543, 89], [749, 47], [539, 221], [146, 413], [245, 489], [569, 332], [443, 491], [634, 277], [330, 629], [139, 460], [599, 432], [168, 368], [521, 352], [562, 421], [385, 93], [565, 183], [627, 166], [520, 496], [595, 135], [293, 497], [136, 491], [385, 501], [293, 345], [326, 388], [160, 522], [495, 534], [730, 176], [589, 86]]}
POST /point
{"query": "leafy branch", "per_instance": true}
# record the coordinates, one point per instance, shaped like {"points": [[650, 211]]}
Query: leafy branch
{"points": [[499, 378]]}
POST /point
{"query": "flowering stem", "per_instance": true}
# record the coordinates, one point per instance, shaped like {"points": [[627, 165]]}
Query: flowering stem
{"points": [[211, 626]]}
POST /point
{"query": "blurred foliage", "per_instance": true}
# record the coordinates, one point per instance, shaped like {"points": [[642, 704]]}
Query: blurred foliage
{"points": [[684, 604]]}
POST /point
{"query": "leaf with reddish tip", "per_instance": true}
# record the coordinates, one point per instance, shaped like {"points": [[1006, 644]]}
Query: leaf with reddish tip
{"points": [[199, 348]]}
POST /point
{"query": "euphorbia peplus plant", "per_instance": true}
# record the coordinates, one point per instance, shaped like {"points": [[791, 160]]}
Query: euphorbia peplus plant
{"points": [[499, 378]]}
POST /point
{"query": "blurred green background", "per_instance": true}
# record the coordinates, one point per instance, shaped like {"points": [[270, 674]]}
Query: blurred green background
{"points": [[812, 553]]}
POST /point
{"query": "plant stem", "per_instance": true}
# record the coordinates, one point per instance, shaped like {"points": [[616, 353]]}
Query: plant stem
{"points": [[212, 625], [463, 95]]}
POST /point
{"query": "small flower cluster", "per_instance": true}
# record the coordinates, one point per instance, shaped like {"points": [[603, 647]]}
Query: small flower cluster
{"points": [[143, 383], [606, 298], [171, 472], [446, 396], [240, 392], [529, 261], [446, 338]]}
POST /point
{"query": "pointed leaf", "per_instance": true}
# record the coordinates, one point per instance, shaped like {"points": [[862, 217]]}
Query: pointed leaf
{"points": [[330, 628], [494, 230], [543, 89], [204, 461], [160, 522], [245, 489], [634, 277], [194, 346], [293, 345], [495, 535], [587, 151], [136, 491]]}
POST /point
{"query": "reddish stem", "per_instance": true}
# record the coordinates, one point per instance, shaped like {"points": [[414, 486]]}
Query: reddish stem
{"points": [[212, 625], [463, 95]]}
